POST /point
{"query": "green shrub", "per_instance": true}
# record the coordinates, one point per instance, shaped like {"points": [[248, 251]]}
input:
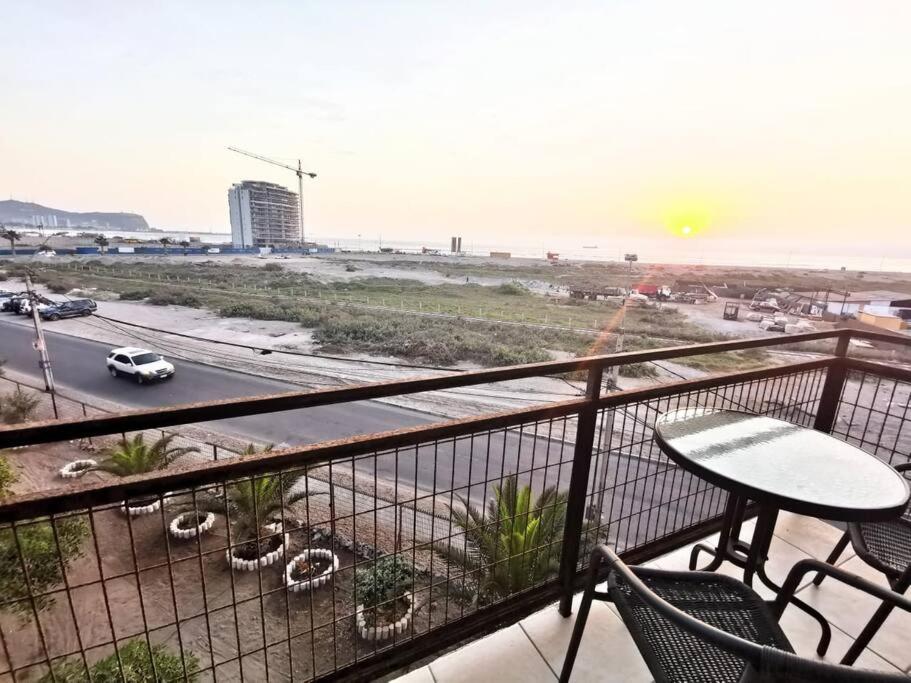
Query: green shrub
{"points": [[60, 285], [638, 370], [175, 298], [43, 562], [382, 581], [512, 289], [273, 267], [440, 341], [19, 406], [136, 294], [7, 475], [137, 666]]}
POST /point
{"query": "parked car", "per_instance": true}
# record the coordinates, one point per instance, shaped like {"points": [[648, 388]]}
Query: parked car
{"points": [[67, 309], [16, 303], [140, 364], [5, 299], [25, 306]]}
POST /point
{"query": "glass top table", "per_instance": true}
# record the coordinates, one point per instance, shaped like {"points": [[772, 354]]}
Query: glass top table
{"points": [[777, 462], [779, 466]]}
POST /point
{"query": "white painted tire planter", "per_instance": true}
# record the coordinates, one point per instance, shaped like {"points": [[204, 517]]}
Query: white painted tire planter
{"points": [[139, 510], [198, 530], [264, 561], [294, 586], [380, 633], [75, 469]]}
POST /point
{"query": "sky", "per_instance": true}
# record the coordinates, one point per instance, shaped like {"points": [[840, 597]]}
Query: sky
{"points": [[693, 123]]}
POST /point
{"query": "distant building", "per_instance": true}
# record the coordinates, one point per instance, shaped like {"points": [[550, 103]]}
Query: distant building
{"points": [[876, 302], [263, 214]]}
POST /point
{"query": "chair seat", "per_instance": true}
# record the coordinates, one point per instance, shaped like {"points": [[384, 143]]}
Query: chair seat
{"points": [[673, 654], [890, 543]]}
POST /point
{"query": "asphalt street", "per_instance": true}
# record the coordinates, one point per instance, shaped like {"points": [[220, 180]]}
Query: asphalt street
{"points": [[80, 371], [468, 466]]}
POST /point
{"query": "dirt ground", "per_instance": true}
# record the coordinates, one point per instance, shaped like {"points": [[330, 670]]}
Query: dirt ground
{"points": [[220, 612]]}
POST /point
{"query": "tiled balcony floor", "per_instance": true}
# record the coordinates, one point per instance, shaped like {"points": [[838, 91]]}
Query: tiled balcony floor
{"points": [[533, 649]]}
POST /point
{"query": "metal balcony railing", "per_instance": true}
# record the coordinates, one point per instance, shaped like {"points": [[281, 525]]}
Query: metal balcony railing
{"points": [[442, 532]]}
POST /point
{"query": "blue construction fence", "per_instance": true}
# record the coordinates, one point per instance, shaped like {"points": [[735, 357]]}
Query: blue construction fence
{"points": [[170, 251]]}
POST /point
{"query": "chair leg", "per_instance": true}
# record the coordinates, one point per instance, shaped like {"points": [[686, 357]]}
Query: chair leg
{"points": [[833, 556], [876, 621], [579, 628]]}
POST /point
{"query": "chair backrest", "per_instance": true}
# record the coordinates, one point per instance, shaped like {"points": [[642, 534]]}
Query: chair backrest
{"points": [[763, 663]]}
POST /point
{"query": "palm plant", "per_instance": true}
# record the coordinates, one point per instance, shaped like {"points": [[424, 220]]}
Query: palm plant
{"points": [[135, 456], [185, 245], [165, 241], [13, 237], [252, 503], [516, 545], [102, 242]]}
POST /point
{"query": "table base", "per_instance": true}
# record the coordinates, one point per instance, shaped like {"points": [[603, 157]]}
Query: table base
{"points": [[751, 557]]}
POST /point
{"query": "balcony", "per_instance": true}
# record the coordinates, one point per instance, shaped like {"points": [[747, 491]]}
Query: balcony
{"points": [[289, 582], [533, 649]]}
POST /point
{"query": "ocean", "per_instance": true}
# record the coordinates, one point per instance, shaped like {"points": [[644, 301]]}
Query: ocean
{"points": [[690, 252]]}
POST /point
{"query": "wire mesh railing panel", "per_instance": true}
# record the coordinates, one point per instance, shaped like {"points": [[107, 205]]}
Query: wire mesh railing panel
{"points": [[292, 573], [874, 413], [637, 496], [308, 561]]}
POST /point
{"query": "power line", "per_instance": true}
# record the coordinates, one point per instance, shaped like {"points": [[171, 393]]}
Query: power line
{"points": [[284, 351], [456, 391]]}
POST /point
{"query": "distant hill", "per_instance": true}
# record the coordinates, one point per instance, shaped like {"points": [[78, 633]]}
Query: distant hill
{"points": [[13, 211]]}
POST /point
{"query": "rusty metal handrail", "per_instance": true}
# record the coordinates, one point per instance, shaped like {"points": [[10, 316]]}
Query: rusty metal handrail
{"points": [[60, 430], [39, 503]]}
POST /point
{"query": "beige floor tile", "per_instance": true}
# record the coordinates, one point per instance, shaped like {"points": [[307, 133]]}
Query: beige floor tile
{"points": [[813, 536], [504, 656], [782, 556], [803, 632], [607, 652], [850, 609], [421, 675]]}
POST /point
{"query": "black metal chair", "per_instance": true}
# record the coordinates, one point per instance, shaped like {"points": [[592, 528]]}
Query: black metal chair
{"points": [[885, 546], [701, 626]]}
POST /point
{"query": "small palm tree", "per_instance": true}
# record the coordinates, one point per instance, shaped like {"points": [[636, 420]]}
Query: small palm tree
{"points": [[252, 503], [135, 456], [186, 245], [13, 237], [165, 242], [102, 242], [255, 502], [516, 545]]}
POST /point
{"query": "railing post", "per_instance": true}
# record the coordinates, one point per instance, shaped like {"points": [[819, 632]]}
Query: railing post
{"points": [[832, 387], [578, 483]]}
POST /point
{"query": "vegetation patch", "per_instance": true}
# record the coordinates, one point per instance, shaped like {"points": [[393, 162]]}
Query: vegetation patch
{"points": [[139, 663]]}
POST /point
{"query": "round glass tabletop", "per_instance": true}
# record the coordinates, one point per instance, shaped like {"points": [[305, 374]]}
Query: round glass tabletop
{"points": [[779, 463]]}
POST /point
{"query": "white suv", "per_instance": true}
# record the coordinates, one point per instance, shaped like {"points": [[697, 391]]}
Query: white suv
{"points": [[141, 364]]}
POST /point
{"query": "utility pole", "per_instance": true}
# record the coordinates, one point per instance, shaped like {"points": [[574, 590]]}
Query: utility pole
{"points": [[40, 345], [630, 259]]}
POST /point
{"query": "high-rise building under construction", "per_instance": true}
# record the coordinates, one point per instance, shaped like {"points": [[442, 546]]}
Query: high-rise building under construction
{"points": [[263, 215]]}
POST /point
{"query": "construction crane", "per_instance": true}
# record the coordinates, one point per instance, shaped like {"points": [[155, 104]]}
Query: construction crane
{"points": [[299, 172]]}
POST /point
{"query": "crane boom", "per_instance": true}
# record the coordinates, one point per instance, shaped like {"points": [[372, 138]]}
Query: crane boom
{"points": [[299, 172], [262, 158]]}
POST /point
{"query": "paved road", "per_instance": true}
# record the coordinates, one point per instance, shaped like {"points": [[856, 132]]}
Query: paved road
{"points": [[468, 467], [79, 367], [79, 370]]}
